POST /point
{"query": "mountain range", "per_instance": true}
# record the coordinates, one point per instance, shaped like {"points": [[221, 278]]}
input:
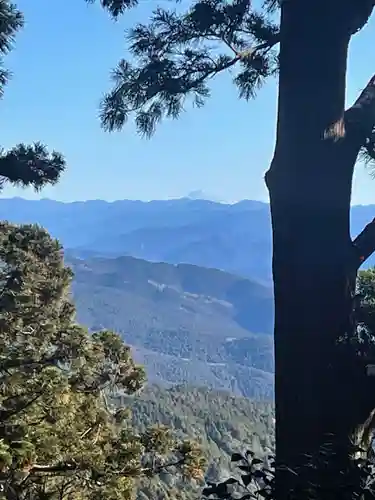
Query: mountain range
{"points": [[235, 238], [185, 323], [186, 282], [232, 237]]}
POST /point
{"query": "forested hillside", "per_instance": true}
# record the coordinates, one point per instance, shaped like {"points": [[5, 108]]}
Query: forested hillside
{"points": [[222, 423], [187, 324]]}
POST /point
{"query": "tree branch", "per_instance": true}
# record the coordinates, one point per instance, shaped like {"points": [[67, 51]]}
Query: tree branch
{"points": [[359, 13], [157, 469], [54, 469], [23, 405], [116, 7], [30, 165], [22, 363], [360, 117], [364, 243], [64, 468], [174, 60]]}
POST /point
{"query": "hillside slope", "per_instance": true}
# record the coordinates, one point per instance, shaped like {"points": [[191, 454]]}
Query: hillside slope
{"points": [[185, 323], [221, 423]]}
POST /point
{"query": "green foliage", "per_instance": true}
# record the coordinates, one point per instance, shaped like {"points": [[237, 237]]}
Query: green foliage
{"points": [[177, 54], [11, 22], [363, 338], [60, 437], [256, 479], [23, 165]]}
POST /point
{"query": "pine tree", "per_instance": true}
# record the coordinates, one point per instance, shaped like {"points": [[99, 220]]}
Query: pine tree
{"points": [[63, 433], [23, 165], [323, 392]]}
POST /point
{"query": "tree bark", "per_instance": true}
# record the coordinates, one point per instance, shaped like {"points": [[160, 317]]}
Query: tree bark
{"points": [[321, 388]]}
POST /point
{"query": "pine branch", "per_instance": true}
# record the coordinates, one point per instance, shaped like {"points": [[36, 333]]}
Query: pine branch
{"points": [[68, 467], [11, 21], [157, 469], [22, 363], [21, 406], [62, 468], [30, 165], [176, 56], [4, 77], [116, 7]]}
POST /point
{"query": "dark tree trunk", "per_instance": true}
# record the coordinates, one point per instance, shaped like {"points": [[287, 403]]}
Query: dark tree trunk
{"points": [[320, 386]]}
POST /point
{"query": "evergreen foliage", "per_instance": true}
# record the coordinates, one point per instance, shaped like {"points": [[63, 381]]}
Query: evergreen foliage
{"points": [[176, 55], [60, 436], [23, 165], [221, 423]]}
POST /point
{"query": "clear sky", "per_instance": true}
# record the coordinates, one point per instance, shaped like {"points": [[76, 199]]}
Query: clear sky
{"points": [[61, 66]]}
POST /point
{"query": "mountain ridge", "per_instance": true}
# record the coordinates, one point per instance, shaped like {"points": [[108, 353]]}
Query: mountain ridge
{"points": [[234, 237], [186, 324]]}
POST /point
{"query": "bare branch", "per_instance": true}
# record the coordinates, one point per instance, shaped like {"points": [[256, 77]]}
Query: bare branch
{"points": [[360, 117], [364, 243]]}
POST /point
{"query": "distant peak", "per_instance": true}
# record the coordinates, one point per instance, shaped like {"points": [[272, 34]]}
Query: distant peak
{"points": [[199, 194]]}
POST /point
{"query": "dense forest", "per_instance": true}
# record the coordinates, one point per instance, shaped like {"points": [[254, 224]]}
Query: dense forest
{"points": [[221, 423]]}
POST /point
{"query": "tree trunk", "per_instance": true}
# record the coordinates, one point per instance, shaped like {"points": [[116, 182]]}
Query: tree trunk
{"points": [[319, 386]]}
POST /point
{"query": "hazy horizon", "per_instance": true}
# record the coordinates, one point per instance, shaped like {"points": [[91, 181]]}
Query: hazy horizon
{"points": [[88, 200]]}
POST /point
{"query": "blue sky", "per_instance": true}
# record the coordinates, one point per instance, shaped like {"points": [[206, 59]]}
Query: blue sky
{"points": [[61, 66]]}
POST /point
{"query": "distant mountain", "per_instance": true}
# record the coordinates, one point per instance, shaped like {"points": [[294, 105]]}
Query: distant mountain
{"points": [[199, 194], [235, 238], [187, 324]]}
